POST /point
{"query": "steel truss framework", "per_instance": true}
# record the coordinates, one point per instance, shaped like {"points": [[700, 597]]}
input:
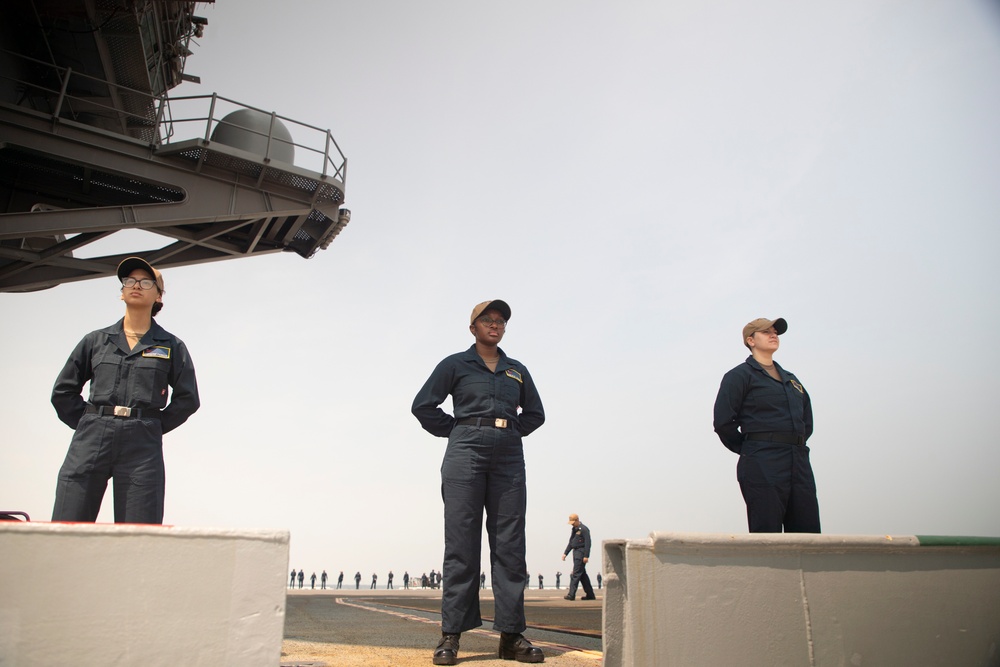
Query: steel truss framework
{"points": [[84, 155]]}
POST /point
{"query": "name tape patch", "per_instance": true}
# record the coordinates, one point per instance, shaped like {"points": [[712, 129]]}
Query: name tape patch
{"points": [[157, 352]]}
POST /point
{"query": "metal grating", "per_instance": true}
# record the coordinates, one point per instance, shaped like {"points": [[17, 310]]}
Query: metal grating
{"points": [[324, 191]]}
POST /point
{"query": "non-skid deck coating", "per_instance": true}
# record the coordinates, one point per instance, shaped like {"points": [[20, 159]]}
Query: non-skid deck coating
{"points": [[401, 628]]}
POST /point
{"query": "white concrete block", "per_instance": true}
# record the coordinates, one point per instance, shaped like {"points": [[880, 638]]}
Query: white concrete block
{"points": [[795, 599], [85, 594]]}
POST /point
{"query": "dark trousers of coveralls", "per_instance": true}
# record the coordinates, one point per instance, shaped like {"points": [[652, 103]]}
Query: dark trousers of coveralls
{"points": [[580, 576], [130, 451], [778, 487], [483, 470]]}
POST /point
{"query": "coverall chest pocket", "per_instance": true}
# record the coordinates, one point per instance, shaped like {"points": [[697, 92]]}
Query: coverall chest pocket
{"points": [[150, 381], [766, 397], [472, 393], [510, 392], [106, 371]]}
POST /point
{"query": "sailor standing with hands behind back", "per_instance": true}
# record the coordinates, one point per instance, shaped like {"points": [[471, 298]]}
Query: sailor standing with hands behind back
{"points": [[496, 405], [764, 414], [142, 385]]}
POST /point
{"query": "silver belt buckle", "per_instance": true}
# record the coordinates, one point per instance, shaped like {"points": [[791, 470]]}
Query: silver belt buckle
{"points": [[500, 423], [122, 411]]}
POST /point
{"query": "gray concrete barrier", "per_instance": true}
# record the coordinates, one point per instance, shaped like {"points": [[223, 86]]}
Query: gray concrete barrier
{"points": [[85, 594], [795, 599]]}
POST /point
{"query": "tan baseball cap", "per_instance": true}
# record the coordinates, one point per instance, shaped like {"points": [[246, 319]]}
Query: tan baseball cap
{"points": [[763, 324], [495, 304], [130, 264]]}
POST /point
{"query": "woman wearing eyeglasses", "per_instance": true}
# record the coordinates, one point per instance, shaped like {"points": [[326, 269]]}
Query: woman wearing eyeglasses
{"points": [[132, 366], [483, 468]]}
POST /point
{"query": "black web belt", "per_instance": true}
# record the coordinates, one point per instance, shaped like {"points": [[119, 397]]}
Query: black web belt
{"points": [[484, 421], [122, 411]]}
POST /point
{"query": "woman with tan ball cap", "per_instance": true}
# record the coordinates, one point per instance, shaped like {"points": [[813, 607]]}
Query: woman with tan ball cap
{"points": [[495, 404], [763, 413], [134, 368]]}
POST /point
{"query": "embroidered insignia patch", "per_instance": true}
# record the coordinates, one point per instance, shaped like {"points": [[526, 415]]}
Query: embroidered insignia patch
{"points": [[157, 352], [798, 386], [511, 373]]}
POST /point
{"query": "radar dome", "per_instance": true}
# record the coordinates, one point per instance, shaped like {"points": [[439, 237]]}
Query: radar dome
{"points": [[247, 130]]}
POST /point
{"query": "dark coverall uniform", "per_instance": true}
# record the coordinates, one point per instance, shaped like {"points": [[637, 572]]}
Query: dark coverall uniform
{"points": [[483, 467], [767, 422], [579, 544], [128, 448]]}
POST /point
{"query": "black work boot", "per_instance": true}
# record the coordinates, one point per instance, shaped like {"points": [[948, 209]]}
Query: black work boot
{"points": [[513, 646], [446, 652]]}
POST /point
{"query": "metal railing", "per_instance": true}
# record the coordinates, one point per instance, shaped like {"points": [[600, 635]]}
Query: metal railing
{"points": [[163, 120], [319, 145]]}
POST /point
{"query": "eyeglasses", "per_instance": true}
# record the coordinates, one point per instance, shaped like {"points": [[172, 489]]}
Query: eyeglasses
{"points": [[144, 283], [489, 322]]}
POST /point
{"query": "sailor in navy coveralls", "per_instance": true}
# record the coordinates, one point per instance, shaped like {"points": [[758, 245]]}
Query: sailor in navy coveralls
{"points": [[495, 405], [763, 413], [131, 365], [579, 544]]}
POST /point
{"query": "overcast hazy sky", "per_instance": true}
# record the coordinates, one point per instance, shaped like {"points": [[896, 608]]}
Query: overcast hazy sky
{"points": [[638, 180]]}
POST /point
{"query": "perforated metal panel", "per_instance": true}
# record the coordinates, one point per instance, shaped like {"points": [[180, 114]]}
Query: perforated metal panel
{"points": [[69, 185], [322, 192]]}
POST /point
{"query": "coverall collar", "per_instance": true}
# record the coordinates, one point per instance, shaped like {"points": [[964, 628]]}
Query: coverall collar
{"points": [[756, 365], [473, 356], [115, 330]]}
